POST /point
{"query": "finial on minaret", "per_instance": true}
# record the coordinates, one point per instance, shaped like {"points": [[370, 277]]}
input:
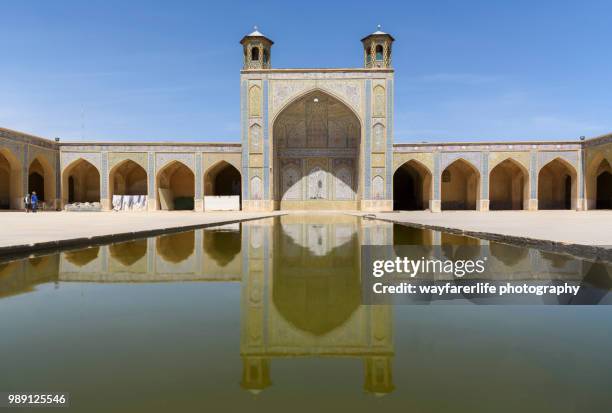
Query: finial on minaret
{"points": [[255, 28], [378, 27]]}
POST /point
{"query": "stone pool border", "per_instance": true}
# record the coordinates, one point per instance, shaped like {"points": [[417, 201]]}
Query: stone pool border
{"points": [[24, 250], [576, 250]]}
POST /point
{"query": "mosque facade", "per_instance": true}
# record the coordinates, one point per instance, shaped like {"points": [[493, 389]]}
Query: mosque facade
{"points": [[310, 139]]}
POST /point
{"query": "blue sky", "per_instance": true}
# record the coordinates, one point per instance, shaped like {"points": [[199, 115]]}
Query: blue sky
{"points": [[155, 71]]}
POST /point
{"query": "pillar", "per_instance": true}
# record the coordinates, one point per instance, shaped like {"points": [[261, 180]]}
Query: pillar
{"points": [[104, 196], [199, 184], [483, 202], [532, 202], [435, 205], [151, 195]]}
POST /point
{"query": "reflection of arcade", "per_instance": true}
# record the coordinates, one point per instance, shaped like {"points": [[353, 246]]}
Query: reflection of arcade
{"points": [[301, 297]]}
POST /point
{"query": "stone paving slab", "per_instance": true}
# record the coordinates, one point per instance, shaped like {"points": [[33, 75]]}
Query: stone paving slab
{"points": [[581, 233], [22, 232]]}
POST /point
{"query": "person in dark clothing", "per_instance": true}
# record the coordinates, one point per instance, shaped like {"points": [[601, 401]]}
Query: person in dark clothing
{"points": [[34, 201]]}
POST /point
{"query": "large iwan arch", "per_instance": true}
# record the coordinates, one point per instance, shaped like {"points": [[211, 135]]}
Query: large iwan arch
{"points": [[316, 153]]}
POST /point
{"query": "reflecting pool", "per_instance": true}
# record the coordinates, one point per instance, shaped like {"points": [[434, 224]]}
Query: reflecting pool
{"points": [[267, 315]]}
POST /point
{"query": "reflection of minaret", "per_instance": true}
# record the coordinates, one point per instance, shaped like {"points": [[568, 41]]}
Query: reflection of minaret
{"points": [[255, 374], [378, 377]]}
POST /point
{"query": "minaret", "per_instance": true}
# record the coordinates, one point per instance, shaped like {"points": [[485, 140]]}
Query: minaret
{"points": [[257, 48], [377, 50]]}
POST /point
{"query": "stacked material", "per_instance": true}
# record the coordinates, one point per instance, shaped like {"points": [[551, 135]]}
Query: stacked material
{"points": [[84, 206], [129, 202]]}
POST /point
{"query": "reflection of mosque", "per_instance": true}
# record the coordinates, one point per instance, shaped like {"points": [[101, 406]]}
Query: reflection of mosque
{"points": [[300, 282], [301, 297]]}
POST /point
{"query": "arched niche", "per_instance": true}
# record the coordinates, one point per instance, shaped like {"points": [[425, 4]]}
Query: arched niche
{"points": [[599, 183], [127, 178], [412, 183], [11, 189], [557, 185], [41, 179], [508, 186], [175, 187], [460, 186], [80, 182]]}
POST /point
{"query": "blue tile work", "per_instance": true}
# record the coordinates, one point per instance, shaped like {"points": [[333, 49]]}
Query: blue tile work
{"points": [[245, 139], [368, 144], [151, 174], [198, 172], [24, 169], [484, 188], [436, 176], [58, 177], [389, 154], [104, 176], [533, 173], [266, 145]]}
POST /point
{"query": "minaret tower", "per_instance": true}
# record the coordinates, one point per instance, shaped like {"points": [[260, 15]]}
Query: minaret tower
{"points": [[377, 50], [257, 48]]}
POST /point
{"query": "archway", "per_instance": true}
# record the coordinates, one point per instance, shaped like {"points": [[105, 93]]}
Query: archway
{"points": [[80, 182], [411, 186], [557, 185], [460, 186], [175, 187], [11, 190], [603, 192], [508, 186], [222, 180], [316, 154], [127, 179], [41, 180]]}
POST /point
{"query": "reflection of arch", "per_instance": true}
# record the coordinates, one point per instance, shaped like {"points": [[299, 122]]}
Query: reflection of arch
{"points": [[460, 187], [222, 179], [175, 187], [598, 181], [127, 178], [85, 179], [557, 185], [129, 252], [510, 255], [221, 245], [177, 247], [11, 190], [508, 185], [81, 258], [41, 179], [316, 302], [411, 186]]}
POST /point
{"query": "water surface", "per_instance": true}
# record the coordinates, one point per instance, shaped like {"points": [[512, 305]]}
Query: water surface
{"points": [[267, 316]]}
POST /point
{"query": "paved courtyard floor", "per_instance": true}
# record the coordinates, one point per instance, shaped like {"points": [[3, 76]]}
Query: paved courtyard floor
{"points": [[593, 228], [18, 228]]}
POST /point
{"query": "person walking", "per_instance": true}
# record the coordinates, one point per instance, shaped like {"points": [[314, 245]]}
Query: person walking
{"points": [[26, 202], [34, 201]]}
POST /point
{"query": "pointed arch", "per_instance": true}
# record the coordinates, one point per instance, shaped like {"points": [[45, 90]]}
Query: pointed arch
{"points": [[316, 129], [460, 186], [11, 188], [557, 185], [41, 179], [597, 182], [222, 179], [175, 184], [80, 182], [379, 102], [128, 177], [255, 100], [412, 186], [508, 185]]}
